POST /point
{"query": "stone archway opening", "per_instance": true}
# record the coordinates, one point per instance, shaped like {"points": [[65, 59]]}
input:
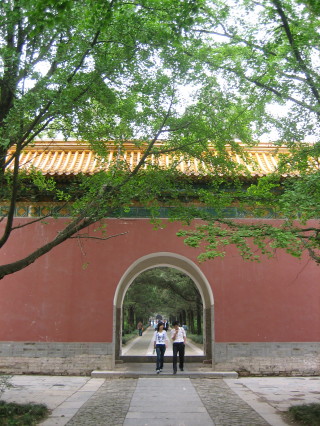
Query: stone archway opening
{"points": [[166, 294], [187, 267]]}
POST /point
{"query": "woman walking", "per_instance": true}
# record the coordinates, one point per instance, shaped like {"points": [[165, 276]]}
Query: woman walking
{"points": [[160, 343]]}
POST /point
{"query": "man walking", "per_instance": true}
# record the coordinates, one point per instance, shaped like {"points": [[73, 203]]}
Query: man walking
{"points": [[140, 328], [178, 336]]}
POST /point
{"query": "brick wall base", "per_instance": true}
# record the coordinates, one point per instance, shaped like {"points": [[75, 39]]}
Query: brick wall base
{"points": [[268, 358], [261, 358], [54, 358]]}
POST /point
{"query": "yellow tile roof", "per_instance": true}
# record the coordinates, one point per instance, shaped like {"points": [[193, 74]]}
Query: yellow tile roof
{"points": [[69, 158]]}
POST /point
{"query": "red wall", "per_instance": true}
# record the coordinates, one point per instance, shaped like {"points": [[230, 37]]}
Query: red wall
{"points": [[67, 295]]}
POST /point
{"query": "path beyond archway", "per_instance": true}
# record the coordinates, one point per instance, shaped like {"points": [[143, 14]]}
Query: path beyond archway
{"points": [[143, 346], [165, 259]]}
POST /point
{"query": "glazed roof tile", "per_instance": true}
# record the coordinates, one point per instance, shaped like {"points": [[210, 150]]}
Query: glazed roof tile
{"points": [[69, 158]]}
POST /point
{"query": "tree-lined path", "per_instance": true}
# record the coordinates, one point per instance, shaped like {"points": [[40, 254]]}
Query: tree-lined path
{"points": [[144, 345]]}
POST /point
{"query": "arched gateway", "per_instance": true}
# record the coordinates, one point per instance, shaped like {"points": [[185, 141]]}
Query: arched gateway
{"points": [[178, 262]]}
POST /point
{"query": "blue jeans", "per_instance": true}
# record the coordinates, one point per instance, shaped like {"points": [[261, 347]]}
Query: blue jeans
{"points": [[160, 349], [178, 347]]}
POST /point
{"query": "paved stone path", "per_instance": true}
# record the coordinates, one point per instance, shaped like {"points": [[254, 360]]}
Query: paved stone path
{"points": [[143, 345], [166, 402], [108, 406], [224, 406], [91, 401]]}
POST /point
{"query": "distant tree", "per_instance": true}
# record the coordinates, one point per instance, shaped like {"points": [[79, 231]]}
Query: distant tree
{"points": [[168, 291]]}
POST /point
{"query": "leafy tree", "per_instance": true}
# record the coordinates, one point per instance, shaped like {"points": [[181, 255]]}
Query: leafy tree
{"points": [[99, 71], [262, 59], [168, 291]]}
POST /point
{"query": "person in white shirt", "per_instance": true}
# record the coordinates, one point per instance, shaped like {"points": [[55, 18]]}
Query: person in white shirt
{"points": [[179, 337], [160, 343]]}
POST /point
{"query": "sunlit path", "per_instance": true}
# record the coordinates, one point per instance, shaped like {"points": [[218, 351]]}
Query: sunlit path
{"points": [[143, 346]]}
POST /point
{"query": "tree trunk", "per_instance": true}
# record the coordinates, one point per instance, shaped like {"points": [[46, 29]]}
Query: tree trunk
{"points": [[191, 321], [199, 320], [131, 316]]}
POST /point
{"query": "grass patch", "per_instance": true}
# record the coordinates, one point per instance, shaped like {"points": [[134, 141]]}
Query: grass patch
{"points": [[306, 414], [196, 338], [127, 337], [13, 414]]}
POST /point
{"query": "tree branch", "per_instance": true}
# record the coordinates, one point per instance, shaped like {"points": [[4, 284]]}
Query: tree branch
{"points": [[88, 237], [295, 50]]}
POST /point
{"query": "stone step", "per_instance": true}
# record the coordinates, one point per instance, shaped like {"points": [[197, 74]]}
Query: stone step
{"points": [[168, 358], [190, 374]]}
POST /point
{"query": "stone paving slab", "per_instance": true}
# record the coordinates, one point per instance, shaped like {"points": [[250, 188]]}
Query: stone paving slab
{"points": [[271, 396], [108, 406], [51, 390], [168, 419], [166, 402], [64, 395], [224, 406]]}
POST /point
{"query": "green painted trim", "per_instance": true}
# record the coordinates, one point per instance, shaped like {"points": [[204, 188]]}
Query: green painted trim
{"points": [[39, 210]]}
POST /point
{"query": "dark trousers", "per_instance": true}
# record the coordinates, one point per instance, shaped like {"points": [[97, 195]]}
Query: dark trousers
{"points": [[178, 347], [140, 331], [160, 349]]}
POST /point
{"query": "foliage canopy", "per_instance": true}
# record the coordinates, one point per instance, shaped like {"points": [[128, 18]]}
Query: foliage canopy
{"points": [[167, 291], [113, 71]]}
